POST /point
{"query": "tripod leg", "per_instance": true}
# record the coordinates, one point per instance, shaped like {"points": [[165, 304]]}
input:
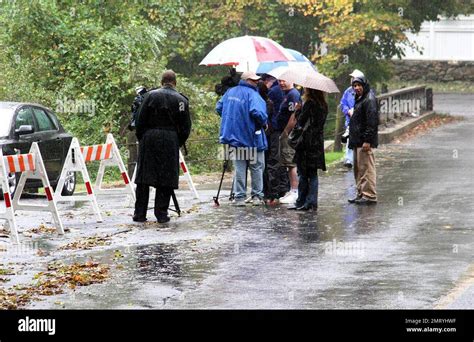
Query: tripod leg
{"points": [[175, 201], [216, 198]]}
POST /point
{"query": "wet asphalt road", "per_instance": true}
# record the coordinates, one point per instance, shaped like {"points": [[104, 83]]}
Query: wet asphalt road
{"points": [[412, 250]]}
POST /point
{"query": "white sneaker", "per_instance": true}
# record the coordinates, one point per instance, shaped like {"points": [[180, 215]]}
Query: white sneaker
{"points": [[257, 201], [238, 203], [249, 200], [289, 198]]}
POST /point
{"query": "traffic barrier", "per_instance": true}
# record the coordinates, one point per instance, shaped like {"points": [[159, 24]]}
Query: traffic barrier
{"points": [[75, 163], [31, 166], [186, 175], [109, 155]]}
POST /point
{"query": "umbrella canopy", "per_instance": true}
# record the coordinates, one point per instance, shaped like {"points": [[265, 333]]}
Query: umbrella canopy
{"points": [[265, 67], [246, 53], [304, 75]]}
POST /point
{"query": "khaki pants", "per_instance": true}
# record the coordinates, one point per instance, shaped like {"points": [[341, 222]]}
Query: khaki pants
{"points": [[365, 174]]}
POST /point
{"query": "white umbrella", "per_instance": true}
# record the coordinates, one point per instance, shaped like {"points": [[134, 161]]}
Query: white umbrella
{"points": [[306, 76], [246, 53]]}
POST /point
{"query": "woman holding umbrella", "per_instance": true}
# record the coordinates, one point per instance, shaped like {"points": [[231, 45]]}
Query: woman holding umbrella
{"points": [[309, 156]]}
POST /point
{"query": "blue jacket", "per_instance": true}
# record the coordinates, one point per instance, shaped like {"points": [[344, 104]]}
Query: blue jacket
{"points": [[244, 114], [347, 103], [276, 95]]}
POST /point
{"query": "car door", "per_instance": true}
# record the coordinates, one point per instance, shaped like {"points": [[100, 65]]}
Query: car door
{"points": [[22, 143], [49, 141]]}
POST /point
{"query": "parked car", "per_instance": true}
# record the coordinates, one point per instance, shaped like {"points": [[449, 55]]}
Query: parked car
{"points": [[21, 124]]}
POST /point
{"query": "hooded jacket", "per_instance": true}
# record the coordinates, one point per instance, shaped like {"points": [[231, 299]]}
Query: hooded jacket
{"points": [[244, 114], [365, 119]]}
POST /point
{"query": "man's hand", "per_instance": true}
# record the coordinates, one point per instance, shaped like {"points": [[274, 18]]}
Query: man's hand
{"points": [[366, 147], [351, 111]]}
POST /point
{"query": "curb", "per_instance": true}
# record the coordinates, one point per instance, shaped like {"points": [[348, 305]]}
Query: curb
{"points": [[389, 134]]}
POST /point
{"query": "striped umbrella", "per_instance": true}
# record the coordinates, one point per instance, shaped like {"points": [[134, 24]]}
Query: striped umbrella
{"points": [[303, 75], [265, 67], [246, 53]]}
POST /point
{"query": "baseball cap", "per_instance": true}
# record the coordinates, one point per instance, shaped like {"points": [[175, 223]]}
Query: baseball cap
{"points": [[249, 75]]}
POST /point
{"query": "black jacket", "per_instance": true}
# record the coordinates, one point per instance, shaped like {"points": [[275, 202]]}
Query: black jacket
{"points": [[309, 156], [364, 123], [163, 124]]}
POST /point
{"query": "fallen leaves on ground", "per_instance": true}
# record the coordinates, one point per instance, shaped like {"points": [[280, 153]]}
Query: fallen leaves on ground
{"points": [[6, 271], [41, 229], [53, 281], [425, 127], [87, 243], [193, 209], [42, 252]]}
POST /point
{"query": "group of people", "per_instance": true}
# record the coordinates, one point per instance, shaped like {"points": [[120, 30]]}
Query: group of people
{"points": [[258, 118], [259, 115]]}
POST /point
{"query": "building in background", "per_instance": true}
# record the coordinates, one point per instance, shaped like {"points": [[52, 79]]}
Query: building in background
{"points": [[447, 52]]}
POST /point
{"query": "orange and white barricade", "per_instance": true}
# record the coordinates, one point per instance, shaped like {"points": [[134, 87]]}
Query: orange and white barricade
{"points": [[31, 166], [109, 155], [186, 175], [75, 163]]}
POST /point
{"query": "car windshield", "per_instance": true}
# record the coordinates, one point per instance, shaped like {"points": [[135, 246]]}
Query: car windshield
{"points": [[5, 121]]}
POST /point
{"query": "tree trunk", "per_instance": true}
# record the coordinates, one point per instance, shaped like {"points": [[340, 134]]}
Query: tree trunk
{"points": [[339, 130]]}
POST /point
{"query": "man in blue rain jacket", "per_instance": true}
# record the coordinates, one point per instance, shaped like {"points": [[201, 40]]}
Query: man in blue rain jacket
{"points": [[244, 117]]}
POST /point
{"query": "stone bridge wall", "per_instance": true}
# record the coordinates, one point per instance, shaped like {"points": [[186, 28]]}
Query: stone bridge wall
{"points": [[435, 71]]}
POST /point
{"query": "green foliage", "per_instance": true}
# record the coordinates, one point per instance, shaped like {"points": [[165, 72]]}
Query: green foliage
{"points": [[203, 144], [94, 53], [195, 27], [60, 52]]}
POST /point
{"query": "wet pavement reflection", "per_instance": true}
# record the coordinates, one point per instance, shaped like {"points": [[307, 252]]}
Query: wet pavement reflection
{"points": [[405, 252]]}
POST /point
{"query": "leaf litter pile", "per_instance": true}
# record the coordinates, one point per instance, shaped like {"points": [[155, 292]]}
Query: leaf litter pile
{"points": [[41, 229], [54, 281], [427, 126], [87, 243]]}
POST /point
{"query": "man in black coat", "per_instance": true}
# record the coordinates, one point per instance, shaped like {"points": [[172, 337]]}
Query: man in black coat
{"points": [[363, 138], [163, 125]]}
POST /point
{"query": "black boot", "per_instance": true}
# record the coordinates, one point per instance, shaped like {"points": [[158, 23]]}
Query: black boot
{"points": [[307, 207], [353, 200], [162, 217], [138, 218]]}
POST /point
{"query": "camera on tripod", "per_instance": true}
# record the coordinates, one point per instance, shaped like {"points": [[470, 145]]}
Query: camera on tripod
{"points": [[227, 82]]}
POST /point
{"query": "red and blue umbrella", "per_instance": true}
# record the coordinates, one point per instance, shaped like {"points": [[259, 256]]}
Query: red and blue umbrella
{"points": [[247, 53], [265, 67]]}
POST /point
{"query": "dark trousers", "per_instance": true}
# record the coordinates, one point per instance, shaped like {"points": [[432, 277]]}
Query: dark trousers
{"points": [[162, 200], [276, 181]]}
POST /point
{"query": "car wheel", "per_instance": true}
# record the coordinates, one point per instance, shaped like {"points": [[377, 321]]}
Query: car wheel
{"points": [[12, 183], [69, 184]]}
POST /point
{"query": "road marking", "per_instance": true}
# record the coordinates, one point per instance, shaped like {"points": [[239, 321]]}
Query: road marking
{"points": [[464, 282]]}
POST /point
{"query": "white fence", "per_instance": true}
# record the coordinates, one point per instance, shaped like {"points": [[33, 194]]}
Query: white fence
{"points": [[447, 39]]}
